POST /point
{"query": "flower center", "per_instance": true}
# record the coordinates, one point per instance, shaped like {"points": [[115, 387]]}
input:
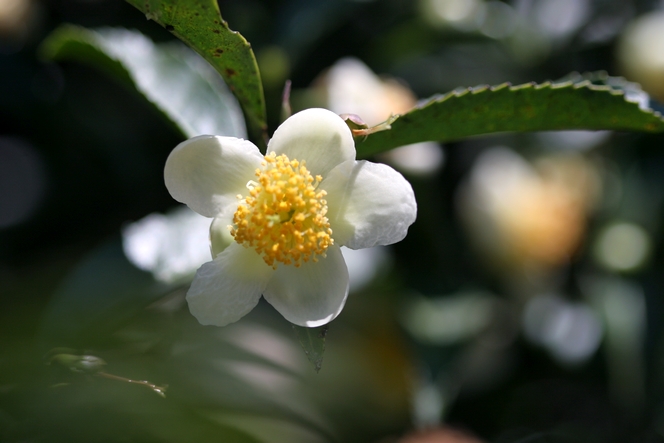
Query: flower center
{"points": [[283, 217]]}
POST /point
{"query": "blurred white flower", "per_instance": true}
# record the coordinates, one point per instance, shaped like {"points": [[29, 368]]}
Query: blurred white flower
{"points": [[560, 18], [641, 52], [352, 88], [525, 216], [288, 213], [170, 246], [571, 332], [464, 15]]}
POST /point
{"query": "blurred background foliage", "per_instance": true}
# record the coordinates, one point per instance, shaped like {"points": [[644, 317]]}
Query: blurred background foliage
{"points": [[525, 304]]}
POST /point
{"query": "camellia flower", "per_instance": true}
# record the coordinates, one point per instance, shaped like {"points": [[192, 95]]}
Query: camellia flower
{"points": [[279, 220]]}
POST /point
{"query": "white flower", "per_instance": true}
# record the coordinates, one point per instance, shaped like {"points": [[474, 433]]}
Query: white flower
{"points": [[279, 221], [170, 246]]}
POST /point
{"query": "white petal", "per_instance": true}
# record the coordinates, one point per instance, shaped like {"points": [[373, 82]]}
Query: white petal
{"points": [[369, 204], [227, 288], [220, 234], [318, 136], [313, 294], [207, 172]]}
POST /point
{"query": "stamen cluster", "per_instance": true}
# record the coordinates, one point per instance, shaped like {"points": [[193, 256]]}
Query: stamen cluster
{"points": [[283, 217]]}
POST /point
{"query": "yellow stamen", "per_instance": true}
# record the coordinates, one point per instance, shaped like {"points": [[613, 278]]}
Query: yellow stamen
{"points": [[283, 217]]}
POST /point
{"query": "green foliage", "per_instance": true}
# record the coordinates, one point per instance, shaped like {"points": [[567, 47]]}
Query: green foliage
{"points": [[312, 341], [108, 307], [176, 81], [529, 107], [198, 23], [102, 293]]}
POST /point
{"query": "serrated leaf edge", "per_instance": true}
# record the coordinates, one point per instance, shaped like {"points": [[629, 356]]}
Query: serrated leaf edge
{"points": [[584, 84]]}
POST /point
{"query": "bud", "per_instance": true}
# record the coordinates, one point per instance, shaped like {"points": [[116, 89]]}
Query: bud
{"points": [[88, 364]]}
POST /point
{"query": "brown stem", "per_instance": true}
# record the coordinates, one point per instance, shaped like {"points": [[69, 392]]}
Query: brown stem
{"points": [[158, 389]]}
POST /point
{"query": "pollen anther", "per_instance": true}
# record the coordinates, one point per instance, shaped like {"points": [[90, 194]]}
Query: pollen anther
{"points": [[283, 215]]}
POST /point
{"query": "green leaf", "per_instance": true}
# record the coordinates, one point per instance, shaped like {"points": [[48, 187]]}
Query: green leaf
{"points": [[105, 290], [198, 23], [181, 85], [571, 104], [312, 341]]}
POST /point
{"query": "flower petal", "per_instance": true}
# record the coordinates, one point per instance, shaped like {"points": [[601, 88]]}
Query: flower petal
{"points": [[207, 172], [313, 294], [220, 234], [227, 288], [318, 136], [369, 204]]}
